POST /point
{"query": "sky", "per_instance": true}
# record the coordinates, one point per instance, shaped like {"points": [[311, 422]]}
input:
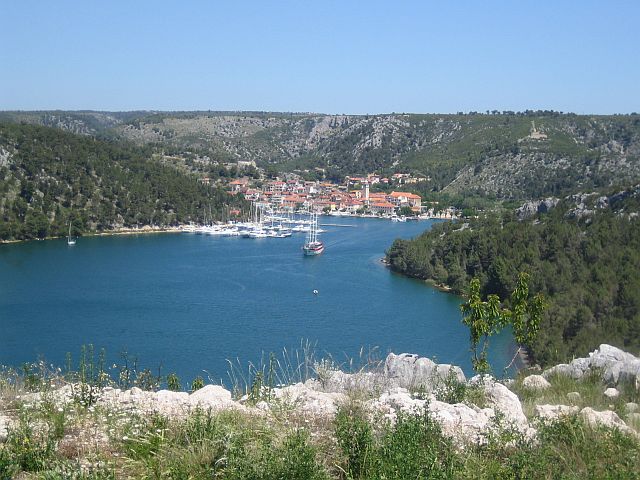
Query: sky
{"points": [[334, 57]]}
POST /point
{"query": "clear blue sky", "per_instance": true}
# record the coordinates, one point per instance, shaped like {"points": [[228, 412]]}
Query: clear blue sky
{"points": [[342, 56]]}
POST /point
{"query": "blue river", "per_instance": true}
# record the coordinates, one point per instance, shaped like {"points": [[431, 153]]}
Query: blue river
{"points": [[189, 303]]}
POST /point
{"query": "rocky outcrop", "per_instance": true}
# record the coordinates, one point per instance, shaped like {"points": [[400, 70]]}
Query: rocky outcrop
{"points": [[413, 372], [606, 418], [535, 382], [529, 209], [462, 422], [554, 412], [615, 365], [405, 383]]}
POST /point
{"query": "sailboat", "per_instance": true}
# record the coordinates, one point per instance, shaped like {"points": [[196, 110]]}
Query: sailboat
{"points": [[313, 246], [70, 240]]}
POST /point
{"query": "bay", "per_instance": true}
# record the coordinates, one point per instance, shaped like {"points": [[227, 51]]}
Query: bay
{"points": [[189, 303]]}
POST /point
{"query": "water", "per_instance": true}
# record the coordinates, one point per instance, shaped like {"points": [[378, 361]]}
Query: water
{"points": [[190, 302]]}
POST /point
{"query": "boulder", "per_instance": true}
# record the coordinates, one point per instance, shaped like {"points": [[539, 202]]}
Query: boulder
{"points": [[414, 372], [631, 407], [553, 412], [611, 393], [5, 424], [503, 400], [213, 396], [339, 382], [462, 423], [634, 418], [616, 366], [573, 397], [536, 382], [606, 418], [309, 399]]}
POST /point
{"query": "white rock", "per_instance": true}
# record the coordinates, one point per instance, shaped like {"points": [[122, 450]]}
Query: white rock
{"points": [[504, 400], [309, 400], [168, 396], [339, 382], [606, 418], [536, 382], [573, 397], [616, 366], [611, 393], [631, 407], [5, 423], [411, 371], [213, 396], [553, 412]]}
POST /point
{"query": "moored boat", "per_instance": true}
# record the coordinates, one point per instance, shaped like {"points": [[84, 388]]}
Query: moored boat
{"points": [[313, 246]]}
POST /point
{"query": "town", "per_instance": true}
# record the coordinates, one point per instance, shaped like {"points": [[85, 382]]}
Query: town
{"points": [[357, 196]]}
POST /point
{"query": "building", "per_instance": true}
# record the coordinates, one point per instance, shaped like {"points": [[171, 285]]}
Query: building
{"points": [[382, 207], [402, 199]]}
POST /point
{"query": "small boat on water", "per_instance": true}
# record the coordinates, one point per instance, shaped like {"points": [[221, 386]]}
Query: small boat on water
{"points": [[70, 240], [313, 246]]}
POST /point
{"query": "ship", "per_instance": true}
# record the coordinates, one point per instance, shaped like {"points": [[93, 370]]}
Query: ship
{"points": [[313, 246]]}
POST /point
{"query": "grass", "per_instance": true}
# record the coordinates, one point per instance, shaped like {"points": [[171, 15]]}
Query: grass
{"points": [[83, 440], [590, 388]]}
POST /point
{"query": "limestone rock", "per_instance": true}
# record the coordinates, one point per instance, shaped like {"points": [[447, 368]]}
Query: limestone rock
{"points": [[502, 399], [309, 400], [611, 393], [536, 382], [617, 366], [606, 418], [462, 423], [531, 208], [634, 418], [573, 397], [5, 423], [338, 381], [631, 407], [213, 396], [553, 412], [412, 372]]}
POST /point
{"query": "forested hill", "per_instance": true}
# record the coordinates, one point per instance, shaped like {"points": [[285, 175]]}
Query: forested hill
{"points": [[49, 177], [583, 254], [503, 154]]}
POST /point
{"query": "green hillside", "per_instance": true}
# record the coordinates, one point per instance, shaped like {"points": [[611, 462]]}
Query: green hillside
{"points": [[506, 155], [49, 177], [584, 255]]}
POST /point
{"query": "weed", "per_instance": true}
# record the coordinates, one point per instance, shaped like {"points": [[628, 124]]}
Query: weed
{"points": [[197, 383], [173, 383], [450, 389], [355, 439]]}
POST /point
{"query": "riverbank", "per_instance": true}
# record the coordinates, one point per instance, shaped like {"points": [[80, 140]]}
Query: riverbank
{"points": [[119, 231]]}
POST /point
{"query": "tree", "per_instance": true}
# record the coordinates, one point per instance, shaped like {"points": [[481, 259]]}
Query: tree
{"points": [[487, 317], [406, 211]]}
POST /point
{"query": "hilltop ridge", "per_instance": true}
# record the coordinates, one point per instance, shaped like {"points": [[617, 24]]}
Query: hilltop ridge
{"points": [[506, 155]]}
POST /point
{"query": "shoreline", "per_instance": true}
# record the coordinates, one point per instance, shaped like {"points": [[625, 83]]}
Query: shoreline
{"points": [[105, 233], [523, 360]]}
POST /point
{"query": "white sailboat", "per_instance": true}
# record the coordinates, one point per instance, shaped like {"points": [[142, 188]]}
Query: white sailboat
{"points": [[70, 240], [313, 246]]}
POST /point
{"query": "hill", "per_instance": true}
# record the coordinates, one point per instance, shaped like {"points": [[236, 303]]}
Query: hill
{"points": [[583, 254], [49, 177], [504, 155]]}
